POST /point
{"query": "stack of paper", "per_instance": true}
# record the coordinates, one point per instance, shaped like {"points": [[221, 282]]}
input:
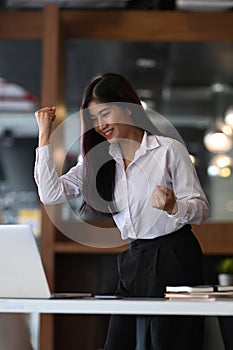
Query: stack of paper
{"points": [[200, 291]]}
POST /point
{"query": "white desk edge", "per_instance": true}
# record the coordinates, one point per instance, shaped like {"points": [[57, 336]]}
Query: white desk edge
{"points": [[207, 307]]}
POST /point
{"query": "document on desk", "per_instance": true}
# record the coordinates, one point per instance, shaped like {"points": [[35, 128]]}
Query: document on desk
{"points": [[199, 288], [211, 295]]}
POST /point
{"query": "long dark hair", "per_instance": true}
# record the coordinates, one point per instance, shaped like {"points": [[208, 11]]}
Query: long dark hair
{"points": [[98, 165]]}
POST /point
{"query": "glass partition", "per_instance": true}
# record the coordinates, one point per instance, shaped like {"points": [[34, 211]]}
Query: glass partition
{"points": [[20, 86]]}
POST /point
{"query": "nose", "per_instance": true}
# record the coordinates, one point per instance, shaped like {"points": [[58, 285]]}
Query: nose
{"points": [[101, 125]]}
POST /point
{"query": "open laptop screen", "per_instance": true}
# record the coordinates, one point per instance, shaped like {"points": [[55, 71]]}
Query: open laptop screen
{"points": [[21, 270]]}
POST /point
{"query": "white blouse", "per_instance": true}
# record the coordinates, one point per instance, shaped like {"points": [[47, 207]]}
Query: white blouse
{"points": [[158, 161]]}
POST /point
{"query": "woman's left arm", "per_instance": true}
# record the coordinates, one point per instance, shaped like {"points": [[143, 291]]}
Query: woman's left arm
{"points": [[186, 201]]}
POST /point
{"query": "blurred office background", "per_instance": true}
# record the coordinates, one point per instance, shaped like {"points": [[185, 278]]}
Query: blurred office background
{"points": [[189, 83]]}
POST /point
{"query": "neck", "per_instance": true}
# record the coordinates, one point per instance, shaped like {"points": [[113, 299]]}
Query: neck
{"points": [[130, 145]]}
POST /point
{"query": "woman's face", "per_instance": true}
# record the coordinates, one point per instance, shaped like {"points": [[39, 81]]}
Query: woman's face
{"points": [[111, 121]]}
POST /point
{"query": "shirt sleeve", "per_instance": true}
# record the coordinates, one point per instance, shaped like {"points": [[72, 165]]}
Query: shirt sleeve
{"points": [[192, 203], [53, 189]]}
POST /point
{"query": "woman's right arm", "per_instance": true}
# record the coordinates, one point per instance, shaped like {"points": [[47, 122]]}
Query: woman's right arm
{"points": [[53, 189], [45, 118]]}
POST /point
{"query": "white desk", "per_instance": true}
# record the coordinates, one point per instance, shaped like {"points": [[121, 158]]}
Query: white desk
{"points": [[207, 307]]}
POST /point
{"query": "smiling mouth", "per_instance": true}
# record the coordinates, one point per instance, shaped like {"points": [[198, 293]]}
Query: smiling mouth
{"points": [[108, 133]]}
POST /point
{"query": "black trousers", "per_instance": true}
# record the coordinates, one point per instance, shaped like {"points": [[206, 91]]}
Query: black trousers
{"points": [[144, 271]]}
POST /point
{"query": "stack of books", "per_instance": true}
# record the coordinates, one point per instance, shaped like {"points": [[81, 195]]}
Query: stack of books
{"points": [[199, 292]]}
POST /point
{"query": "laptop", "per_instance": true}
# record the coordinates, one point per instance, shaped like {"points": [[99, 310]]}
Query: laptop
{"points": [[21, 271]]}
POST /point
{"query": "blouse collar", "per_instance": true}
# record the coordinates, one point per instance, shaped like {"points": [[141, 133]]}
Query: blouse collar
{"points": [[148, 143]]}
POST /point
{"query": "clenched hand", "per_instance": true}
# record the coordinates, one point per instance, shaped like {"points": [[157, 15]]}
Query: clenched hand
{"points": [[163, 198], [45, 118]]}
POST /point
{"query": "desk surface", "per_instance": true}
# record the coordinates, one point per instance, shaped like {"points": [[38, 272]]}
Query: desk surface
{"points": [[209, 307]]}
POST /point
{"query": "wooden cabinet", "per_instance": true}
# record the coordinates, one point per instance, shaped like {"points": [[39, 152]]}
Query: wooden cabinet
{"points": [[70, 265]]}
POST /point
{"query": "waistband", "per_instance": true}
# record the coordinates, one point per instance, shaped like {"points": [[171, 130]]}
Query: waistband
{"points": [[167, 237]]}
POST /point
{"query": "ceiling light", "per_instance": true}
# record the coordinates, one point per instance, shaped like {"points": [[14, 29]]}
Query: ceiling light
{"points": [[225, 172], [218, 87], [227, 130], [220, 165], [222, 160], [217, 142], [213, 170], [146, 63], [229, 117]]}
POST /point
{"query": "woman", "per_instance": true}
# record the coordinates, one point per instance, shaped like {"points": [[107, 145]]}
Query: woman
{"points": [[148, 184]]}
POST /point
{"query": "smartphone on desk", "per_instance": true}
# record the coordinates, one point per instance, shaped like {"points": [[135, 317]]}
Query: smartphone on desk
{"points": [[107, 296]]}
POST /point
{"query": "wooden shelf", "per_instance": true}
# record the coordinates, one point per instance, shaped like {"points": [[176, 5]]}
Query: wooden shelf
{"points": [[21, 25], [72, 248], [148, 25], [216, 238]]}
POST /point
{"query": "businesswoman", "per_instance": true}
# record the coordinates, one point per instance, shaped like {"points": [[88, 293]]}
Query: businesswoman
{"points": [[149, 186]]}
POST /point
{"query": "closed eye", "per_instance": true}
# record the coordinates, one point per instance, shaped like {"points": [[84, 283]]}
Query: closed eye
{"points": [[104, 113]]}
